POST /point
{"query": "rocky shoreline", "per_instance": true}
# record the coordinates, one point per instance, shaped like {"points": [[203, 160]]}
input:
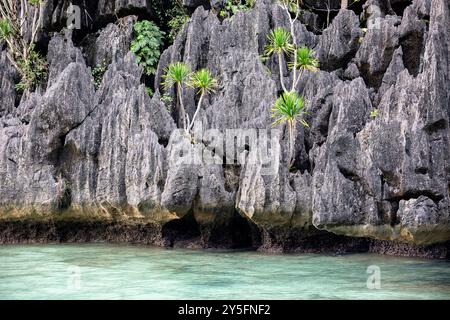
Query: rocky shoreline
{"points": [[41, 231]]}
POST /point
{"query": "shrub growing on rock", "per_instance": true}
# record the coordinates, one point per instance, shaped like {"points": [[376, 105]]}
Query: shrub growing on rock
{"points": [[147, 45]]}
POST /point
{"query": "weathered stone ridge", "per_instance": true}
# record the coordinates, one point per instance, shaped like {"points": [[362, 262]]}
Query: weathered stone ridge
{"points": [[71, 149]]}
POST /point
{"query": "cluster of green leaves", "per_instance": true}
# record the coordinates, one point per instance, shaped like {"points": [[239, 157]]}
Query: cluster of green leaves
{"points": [[234, 6], [289, 107], [147, 44], [98, 73], [5, 29]]}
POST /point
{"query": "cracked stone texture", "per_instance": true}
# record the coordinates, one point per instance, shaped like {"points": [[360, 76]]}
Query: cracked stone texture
{"points": [[110, 152]]}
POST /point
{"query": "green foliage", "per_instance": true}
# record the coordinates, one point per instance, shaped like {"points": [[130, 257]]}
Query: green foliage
{"points": [[167, 99], [290, 107], [306, 60], [234, 6], [178, 17], [204, 81], [98, 73], [33, 70], [150, 91], [279, 42], [177, 73], [147, 45], [5, 29]]}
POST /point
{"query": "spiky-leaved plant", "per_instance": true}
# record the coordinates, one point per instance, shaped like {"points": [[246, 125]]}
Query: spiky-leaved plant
{"points": [[279, 44], [289, 108], [305, 60], [178, 74], [206, 83]]}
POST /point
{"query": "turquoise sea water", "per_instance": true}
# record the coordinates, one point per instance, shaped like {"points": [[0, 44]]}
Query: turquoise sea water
{"points": [[104, 271]]}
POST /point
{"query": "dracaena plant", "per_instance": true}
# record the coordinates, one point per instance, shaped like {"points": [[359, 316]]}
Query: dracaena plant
{"points": [[177, 75], [279, 44], [206, 83], [305, 60], [290, 109]]}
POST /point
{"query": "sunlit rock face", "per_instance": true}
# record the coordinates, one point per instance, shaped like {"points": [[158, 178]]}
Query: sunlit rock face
{"points": [[71, 149]]}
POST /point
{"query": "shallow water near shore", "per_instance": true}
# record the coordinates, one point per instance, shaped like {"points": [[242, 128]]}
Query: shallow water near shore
{"points": [[107, 271]]}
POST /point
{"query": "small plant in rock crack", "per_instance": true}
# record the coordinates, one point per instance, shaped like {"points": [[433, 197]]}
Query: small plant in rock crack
{"points": [[147, 45], [234, 6], [178, 75], [374, 113], [149, 91], [98, 72]]}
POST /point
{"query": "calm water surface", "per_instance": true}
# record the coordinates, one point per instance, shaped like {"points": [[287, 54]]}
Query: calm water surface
{"points": [[104, 271]]}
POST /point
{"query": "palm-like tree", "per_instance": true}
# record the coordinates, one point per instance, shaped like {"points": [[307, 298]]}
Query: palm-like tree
{"points": [[290, 108], [206, 83], [279, 44], [305, 60], [177, 74]]}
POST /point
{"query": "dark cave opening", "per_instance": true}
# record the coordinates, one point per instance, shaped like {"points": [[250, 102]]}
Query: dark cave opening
{"points": [[182, 229]]}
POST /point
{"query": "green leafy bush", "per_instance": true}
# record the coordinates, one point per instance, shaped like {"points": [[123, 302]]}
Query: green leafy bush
{"points": [[147, 45]]}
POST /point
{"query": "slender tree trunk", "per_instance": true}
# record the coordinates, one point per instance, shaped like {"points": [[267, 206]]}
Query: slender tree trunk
{"points": [[196, 111], [291, 143], [182, 110], [344, 4], [280, 65], [300, 73], [292, 129]]}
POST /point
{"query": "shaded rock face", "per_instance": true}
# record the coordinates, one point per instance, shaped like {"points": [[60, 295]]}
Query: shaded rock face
{"points": [[113, 153]]}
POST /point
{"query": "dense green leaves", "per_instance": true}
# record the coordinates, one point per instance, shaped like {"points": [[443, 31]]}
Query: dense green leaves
{"points": [[176, 73], [204, 81], [279, 41], [306, 60], [289, 107], [147, 45], [5, 29]]}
